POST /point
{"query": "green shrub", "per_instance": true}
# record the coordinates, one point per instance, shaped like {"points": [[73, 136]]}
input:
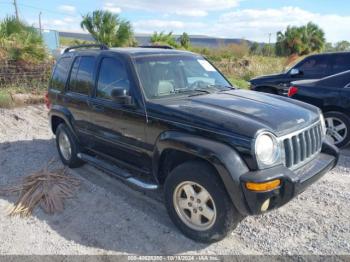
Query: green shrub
{"points": [[19, 41], [240, 83]]}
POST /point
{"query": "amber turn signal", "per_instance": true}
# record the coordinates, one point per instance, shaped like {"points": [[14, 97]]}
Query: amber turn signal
{"points": [[263, 186]]}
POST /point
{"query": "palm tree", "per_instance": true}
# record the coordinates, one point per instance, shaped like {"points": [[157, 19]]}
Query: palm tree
{"points": [[313, 38], [300, 40], [108, 28]]}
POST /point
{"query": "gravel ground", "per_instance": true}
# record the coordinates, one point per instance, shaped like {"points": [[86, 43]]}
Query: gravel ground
{"points": [[106, 217]]}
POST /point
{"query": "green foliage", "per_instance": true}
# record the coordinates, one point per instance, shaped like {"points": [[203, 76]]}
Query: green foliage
{"points": [[185, 40], [244, 69], [19, 41], [342, 46], [267, 50], [300, 40], [240, 83], [225, 52], [254, 48], [5, 99], [108, 28], [164, 39], [328, 47]]}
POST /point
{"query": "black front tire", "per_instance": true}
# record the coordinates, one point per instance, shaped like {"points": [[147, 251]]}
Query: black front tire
{"points": [[73, 161], [203, 174]]}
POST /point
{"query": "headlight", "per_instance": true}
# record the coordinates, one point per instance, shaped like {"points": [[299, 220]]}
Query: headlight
{"points": [[323, 124], [267, 150]]}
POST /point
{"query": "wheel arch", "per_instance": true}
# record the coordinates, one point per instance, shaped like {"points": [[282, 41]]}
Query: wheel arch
{"points": [[173, 148], [327, 109], [59, 115]]}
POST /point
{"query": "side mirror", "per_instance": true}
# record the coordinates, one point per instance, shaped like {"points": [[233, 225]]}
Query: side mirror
{"points": [[295, 72], [121, 95]]}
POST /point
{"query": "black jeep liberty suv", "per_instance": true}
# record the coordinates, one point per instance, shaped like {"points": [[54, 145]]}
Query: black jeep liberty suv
{"points": [[167, 119]]}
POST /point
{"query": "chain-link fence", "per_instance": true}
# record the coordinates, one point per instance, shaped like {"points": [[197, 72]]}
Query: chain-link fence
{"points": [[24, 75]]}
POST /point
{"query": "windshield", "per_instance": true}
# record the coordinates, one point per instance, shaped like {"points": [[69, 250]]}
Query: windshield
{"points": [[166, 76]]}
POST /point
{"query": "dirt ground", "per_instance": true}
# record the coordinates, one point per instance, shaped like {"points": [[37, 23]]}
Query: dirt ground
{"points": [[107, 217]]}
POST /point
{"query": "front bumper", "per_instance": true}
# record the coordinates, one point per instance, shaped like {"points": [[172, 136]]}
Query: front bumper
{"points": [[292, 182]]}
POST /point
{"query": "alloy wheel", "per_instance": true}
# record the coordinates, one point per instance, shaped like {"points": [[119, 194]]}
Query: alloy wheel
{"points": [[65, 146], [337, 130], [194, 205]]}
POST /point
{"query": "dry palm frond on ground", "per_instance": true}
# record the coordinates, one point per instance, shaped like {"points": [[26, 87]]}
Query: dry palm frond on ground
{"points": [[45, 188]]}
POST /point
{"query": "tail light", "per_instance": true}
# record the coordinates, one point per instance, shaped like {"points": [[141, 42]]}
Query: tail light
{"points": [[292, 91], [47, 101]]}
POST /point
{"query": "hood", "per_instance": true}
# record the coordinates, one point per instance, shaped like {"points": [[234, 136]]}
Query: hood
{"points": [[241, 112]]}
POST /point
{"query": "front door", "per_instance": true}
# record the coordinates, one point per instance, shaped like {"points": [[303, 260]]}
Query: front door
{"points": [[118, 128]]}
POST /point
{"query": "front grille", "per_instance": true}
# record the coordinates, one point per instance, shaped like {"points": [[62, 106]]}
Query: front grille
{"points": [[302, 146]]}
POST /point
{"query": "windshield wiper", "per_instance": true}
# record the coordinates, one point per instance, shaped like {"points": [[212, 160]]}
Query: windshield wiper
{"points": [[222, 86], [181, 91]]}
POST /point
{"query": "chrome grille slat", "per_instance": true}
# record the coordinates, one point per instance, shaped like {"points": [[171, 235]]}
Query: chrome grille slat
{"points": [[299, 147], [308, 142], [302, 145], [296, 147], [313, 141]]}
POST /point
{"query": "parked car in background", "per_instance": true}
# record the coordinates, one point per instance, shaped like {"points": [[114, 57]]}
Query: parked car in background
{"points": [[332, 95], [161, 118], [312, 67]]}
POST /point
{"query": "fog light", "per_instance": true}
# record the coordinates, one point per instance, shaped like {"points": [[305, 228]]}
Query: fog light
{"points": [[265, 205]]}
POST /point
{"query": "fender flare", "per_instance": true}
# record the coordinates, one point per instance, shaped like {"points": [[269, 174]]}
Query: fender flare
{"points": [[225, 159], [65, 114]]}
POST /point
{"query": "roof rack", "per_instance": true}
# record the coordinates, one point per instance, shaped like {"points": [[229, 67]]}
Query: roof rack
{"points": [[156, 46], [101, 46]]}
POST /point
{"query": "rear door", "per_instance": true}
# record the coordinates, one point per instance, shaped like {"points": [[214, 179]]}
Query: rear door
{"points": [[118, 128], [78, 92]]}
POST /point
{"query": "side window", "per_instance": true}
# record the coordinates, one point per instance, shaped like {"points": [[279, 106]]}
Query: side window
{"points": [[81, 80], [59, 77], [340, 63], [112, 74], [316, 65]]}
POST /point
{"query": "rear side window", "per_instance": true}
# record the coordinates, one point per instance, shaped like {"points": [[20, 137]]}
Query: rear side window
{"points": [[60, 74], [112, 74], [340, 63], [81, 79]]}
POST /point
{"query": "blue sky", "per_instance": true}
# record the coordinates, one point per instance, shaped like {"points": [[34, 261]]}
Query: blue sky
{"points": [[249, 19]]}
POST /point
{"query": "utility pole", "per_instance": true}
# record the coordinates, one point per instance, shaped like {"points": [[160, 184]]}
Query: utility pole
{"points": [[270, 44], [16, 9], [40, 22]]}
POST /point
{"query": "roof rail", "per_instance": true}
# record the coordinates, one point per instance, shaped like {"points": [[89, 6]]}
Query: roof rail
{"points": [[101, 46], [156, 46]]}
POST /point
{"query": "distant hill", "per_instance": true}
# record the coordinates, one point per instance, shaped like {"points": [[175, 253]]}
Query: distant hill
{"points": [[144, 39]]}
